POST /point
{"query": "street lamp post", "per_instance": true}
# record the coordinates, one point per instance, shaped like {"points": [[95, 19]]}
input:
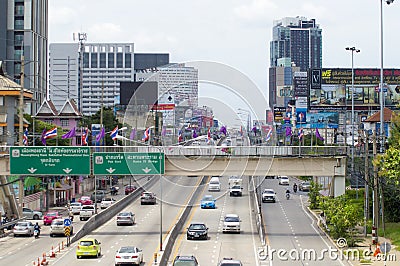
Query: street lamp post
{"points": [[381, 94], [352, 49]]}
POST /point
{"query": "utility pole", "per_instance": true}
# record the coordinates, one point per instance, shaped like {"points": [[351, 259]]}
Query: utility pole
{"points": [[366, 176], [21, 132], [82, 37], [375, 202]]}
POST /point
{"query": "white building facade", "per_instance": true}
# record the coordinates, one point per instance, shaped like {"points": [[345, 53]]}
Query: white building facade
{"points": [[104, 66]]}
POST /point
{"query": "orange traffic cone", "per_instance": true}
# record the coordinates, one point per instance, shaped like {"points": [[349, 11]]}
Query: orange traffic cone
{"points": [[52, 254]]}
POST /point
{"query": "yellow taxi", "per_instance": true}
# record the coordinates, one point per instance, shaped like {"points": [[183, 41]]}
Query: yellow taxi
{"points": [[88, 247]]}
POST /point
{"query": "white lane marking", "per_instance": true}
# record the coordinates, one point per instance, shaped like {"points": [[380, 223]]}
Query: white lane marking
{"points": [[253, 233]]}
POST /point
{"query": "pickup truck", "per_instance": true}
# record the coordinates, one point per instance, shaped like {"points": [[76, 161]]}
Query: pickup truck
{"points": [[86, 212]]}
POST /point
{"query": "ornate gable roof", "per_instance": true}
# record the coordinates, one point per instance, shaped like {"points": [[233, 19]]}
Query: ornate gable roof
{"points": [[69, 109], [47, 109]]}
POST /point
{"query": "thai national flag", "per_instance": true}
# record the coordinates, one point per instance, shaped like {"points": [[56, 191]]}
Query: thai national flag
{"points": [[25, 137], [146, 134], [301, 134], [114, 133], [50, 133], [208, 135], [180, 138], [85, 136]]}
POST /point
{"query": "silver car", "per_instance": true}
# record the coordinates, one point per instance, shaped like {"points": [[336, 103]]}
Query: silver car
{"points": [[75, 207], [57, 227], [23, 228], [125, 218], [31, 214]]}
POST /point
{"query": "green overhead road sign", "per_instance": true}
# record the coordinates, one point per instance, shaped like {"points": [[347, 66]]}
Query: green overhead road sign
{"points": [[128, 163], [46, 160]]}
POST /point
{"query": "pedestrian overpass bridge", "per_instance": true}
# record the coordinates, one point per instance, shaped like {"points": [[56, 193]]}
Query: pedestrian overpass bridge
{"points": [[238, 160]]}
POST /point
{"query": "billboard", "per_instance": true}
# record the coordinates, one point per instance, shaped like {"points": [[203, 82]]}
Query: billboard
{"points": [[146, 93], [300, 82], [335, 92], [319, 120]]}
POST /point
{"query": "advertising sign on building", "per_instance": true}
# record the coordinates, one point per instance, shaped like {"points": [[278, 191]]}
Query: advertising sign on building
{"points": [[335, 92], [279, 113], [315, 79], [300, 82]]}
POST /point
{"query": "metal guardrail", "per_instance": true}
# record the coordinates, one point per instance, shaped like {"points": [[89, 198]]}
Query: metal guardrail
{"points": [[11, 223], [233, 151], [258, 213]]}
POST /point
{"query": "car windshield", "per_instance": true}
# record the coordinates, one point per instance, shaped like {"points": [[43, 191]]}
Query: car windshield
{"points": [[51, 214], [269, 191], [214, 182], [58, 222], [207, 198], [306, 183], [232, 219], [231, 264], [87, 207], [127, 250], [197, 227], [85, 198], [75, 204], [124, 214], [22, 224], [107, 199], [86, 243], [184, 263], [236, 187]]}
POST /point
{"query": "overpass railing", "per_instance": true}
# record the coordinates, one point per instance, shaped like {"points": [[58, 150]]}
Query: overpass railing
{"points": [[259, 151]]}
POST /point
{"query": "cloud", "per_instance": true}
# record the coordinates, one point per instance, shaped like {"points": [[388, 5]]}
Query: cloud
{"points": [[62, 15], [105, 32], [256, 10]]}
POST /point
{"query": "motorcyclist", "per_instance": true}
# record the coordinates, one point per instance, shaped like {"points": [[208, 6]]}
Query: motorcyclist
{"points": [[37, 227], [287, 193], [294, 187]]}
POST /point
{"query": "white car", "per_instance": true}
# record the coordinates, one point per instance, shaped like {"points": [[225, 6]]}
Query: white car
{"points": [[234, 180], [75, 207], [231, 223], [57, 227], [129, 255], [268, 195], [107, 202], [284, 180], [23, 228]]}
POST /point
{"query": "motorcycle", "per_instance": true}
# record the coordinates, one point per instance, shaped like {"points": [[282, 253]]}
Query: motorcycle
{"points": [[36, 233], [294, 189], [287, 196]]}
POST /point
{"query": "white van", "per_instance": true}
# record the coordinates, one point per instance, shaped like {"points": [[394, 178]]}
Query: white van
{"points": [[214, 184]]}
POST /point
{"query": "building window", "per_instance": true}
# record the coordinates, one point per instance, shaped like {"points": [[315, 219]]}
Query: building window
{"points": [[111, 63], [1, 100], [85, 60], [93, 60], [120, 63], [128, 62], [64, 122], [49, 121], [103, 60], [19, 24]]}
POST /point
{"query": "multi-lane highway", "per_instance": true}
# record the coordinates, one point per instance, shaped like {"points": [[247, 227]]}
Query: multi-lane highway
{"points": [[292, 229], [218, 245]]}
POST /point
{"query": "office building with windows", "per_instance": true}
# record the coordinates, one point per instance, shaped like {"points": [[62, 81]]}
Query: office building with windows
{"points": [[104, 66], [299, 39], [24, 31]]}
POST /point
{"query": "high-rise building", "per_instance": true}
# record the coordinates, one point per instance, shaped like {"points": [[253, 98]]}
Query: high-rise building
{"points": [[299, 39], [24, 31], [104, 66]]}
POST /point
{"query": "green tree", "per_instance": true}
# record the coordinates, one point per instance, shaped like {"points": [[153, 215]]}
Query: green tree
{"points": [[341, 216], [314, 195]]}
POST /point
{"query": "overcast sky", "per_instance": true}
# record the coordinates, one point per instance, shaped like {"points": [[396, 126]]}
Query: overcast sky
{"points": [[231, 32]]}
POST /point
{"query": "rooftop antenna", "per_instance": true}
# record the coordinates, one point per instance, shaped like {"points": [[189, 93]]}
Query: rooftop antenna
{"points": [[82, 37]]}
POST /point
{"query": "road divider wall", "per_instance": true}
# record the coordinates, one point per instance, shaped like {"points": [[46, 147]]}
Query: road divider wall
{"points": [[99, 219], [254, 196], [174, 233]]}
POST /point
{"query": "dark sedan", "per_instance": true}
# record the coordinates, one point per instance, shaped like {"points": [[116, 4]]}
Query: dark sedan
{"points": [[197, 231]]}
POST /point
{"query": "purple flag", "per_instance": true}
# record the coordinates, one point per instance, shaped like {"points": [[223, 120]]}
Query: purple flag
{"points": [[164, 131], [43, 139], [100, 135], [70, 134], [133, 134], [318, 135], [195, 134], [288, 131], [223, 130]]}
